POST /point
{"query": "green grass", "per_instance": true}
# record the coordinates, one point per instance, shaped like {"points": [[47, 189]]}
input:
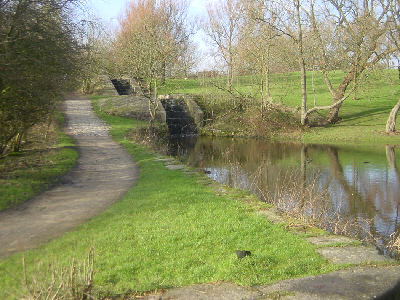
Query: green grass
{"points": [[363, 120], [29, 172], [171, 230]]}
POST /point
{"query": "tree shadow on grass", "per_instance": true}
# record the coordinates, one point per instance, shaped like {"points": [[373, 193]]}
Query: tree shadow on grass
{"points": [[367, 113], [363, 116]]}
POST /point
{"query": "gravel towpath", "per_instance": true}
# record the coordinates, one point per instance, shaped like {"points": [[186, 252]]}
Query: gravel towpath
{"points": [[104, 172]]}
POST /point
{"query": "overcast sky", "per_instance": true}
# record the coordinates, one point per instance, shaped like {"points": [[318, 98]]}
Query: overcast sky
{"points": [[110, 10]]}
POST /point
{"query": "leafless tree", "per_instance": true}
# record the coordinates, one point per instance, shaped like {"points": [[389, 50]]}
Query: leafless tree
{"points": [[95, 41], [351, 35], [153, 37], [257, 46], [289, 19], [394, 35], [222, 27]]}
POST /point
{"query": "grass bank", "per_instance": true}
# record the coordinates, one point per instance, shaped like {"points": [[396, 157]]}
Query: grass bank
{"points": [[46, 155], [172, 229], [363, 116]]}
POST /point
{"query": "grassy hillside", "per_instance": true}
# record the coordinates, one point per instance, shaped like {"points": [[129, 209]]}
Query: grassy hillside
{"points": [[363, 118]]}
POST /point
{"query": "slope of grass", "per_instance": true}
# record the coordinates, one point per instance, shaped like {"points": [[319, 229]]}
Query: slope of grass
{"points": [[32, 170], [363, 117], [170, 230]]}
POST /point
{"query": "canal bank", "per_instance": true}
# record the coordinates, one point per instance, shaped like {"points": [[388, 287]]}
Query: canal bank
{"points": [[176, 228], [347, 190], [365, 282], [366, 273], [171, 229]]}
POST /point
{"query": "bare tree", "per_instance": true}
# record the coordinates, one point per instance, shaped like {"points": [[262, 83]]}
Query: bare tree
{"points": [[287, 18], [222, 27], [152, 37], [351, 35], [257, 47], [391, 121], [95, 45], [176, 40], [395, 38]]}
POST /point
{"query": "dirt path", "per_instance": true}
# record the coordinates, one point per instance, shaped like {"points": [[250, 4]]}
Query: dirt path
{"points": [[103, 174]]}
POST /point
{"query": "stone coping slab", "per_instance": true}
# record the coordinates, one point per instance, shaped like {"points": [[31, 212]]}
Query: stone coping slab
{"points": [[353, 255], [330, 239], [208, 291], [357, 283], [175, 167]]}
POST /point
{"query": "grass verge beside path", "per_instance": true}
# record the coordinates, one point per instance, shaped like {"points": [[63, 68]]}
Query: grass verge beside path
{"points": [[44, 159], [172, 230]]}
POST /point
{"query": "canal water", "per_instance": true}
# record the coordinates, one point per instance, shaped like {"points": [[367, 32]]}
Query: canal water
{"points": [[351, 190]]}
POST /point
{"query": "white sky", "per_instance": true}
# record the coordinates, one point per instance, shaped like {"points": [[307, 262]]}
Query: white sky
{"points": [[110, 10]]}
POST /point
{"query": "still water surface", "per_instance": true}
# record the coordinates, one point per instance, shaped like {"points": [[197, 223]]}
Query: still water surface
{"points": [[352, 190]]}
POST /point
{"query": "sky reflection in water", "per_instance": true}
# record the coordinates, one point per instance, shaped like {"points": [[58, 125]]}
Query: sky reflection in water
{"points": [[362, 183]]}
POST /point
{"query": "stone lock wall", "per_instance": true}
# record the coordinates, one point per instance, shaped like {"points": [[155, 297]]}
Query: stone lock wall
{"points": [[183, 115], [179, 111]]}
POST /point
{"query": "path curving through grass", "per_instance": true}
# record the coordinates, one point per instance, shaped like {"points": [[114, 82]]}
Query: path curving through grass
{"points": [[103, 174]]}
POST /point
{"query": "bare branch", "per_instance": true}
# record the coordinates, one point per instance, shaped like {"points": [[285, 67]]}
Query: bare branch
{"points": [[338, 103]]}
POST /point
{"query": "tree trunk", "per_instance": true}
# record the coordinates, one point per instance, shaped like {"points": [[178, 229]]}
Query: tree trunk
{"points": [[267, 84], [17, 143], [356, 85], [3, 150], [267, 74], [153, 103], [304, 120], [265, 87], [391, 121], [302, 66], [398, 69], [338, 94], [263, 100], [230, 77], [333, 116], [163, 73]]}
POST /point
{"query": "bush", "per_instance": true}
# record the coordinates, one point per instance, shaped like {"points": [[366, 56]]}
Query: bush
{"points": [[38, 58]]}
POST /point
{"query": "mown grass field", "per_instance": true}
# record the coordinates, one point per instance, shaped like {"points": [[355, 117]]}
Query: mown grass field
{"points": [[363, 118], [39, 165], [171, 229]]}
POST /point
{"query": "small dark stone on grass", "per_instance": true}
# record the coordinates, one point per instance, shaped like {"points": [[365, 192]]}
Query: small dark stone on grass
{"points": [[242, 253]]}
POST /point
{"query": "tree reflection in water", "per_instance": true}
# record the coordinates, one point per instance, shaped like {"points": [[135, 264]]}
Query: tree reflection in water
{"points": [[347, 190]]}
